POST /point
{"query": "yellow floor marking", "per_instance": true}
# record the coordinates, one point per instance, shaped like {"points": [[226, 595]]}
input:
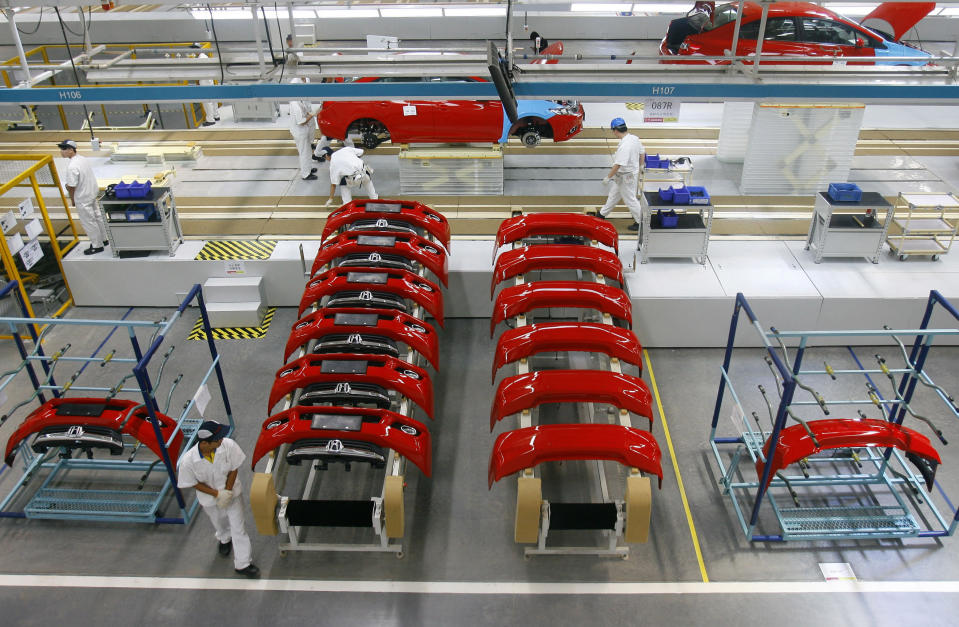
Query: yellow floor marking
{"points": [[679, 476]]}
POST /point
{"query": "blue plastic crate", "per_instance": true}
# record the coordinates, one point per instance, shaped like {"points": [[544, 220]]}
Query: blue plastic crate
{"points": [[133, 190], [653, 161], [666, 195], [680, 195], [844, 192], [140, 213], [668, 219], [698, 195]]}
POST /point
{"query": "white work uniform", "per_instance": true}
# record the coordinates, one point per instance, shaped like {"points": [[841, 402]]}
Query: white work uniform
{"points": [[80, 176], [193, 468], [624, 183], [211, 109], [344, 163], [302, 132]]}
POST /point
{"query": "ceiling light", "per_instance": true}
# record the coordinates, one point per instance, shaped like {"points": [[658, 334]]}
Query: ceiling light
{"points": [[412, 12], [475, 12], [600, 7], [659, 7], [322, 13]]}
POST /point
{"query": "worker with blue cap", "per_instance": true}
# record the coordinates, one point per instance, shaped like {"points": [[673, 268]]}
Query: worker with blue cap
{"points": [[624, 172], [211, 467]]}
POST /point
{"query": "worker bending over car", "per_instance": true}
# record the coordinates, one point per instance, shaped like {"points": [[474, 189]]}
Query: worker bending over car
{"points": [[348, 172], [623, 175], [211, 467]]}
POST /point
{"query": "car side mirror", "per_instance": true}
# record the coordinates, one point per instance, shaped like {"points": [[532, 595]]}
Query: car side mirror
{"points": [[860, 43]]}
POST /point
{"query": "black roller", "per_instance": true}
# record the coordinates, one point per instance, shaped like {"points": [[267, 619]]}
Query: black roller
{"points": [[582, 516], [330, 513]]}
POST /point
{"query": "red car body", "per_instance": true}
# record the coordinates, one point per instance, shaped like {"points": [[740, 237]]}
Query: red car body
{"points": [[799, 29], [454, 121]]}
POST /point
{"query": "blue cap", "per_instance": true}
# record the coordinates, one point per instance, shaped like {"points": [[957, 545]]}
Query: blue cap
{"points": [[616, 122], [211, 431]]}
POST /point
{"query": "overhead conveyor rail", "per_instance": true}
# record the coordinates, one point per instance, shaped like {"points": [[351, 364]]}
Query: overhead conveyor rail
{"points": [[859, 476], [96, 455], [355, 381], [567, 245]]}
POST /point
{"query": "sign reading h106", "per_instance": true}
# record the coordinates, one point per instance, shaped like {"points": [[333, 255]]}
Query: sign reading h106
{"points": [[70, 94]]}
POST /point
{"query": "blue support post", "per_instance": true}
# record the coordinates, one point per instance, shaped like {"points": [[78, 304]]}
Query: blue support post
{"points": [[727, 359], [208, 329]]}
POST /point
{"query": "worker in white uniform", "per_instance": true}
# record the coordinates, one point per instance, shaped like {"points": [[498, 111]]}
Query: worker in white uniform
{"points": [[82, 188], [211, 110], [302, 127], [211, 467], [624, 172], [348, 172]]}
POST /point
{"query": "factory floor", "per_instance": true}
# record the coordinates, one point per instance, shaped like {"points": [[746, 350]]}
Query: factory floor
{"points": [[460, 564]]}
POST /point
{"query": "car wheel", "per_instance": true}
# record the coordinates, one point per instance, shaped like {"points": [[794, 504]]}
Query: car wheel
{"points": [[372, 132], [531, 138]]}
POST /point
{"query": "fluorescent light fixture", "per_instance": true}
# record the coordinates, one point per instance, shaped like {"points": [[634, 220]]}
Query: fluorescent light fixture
{"points": [[659, 7], [600, 7], [949, 11], [412, 12], [222, 14], [477, 12], [342, 13], [298, 14], [850, 10]]}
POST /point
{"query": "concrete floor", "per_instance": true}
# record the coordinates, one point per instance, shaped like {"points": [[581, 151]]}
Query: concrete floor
{"points": [[461, 565]]}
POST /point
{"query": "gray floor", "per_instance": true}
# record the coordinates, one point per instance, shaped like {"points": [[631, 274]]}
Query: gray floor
{"points": [[459, 550]]}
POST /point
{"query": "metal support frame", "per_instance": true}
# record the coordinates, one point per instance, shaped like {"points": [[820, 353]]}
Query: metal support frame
{"points": [[395, 467], [586, 411], [897, 503], [53, 499]]}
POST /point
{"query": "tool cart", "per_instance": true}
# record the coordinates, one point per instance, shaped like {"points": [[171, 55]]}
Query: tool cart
{"points": [[142, 219], [921, 227], [849, 228]]}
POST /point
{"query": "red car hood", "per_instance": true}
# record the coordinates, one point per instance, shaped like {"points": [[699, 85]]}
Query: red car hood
{"points": [[897, 17]]}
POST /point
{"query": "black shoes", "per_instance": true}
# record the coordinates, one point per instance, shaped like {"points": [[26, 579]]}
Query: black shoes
{"points": [[311, 177], [225, 547], [633, 227], [216, 119], [250, 571], [312, 170], [106, 243], [93, 251], [209, 123]]}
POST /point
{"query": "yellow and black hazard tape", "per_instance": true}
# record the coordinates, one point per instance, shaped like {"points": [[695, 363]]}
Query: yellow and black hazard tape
{"points": [[234, 333], [635, 106], [230, 249]]}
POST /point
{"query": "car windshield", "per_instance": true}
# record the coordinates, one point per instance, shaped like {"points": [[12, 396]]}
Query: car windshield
{"points": [[724, 14]]}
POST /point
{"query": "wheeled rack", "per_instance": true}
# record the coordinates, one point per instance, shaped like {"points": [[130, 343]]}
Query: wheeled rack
{"points": [[135, 224], [689, 237], [861, 476], [849, 229], [921, 226]]}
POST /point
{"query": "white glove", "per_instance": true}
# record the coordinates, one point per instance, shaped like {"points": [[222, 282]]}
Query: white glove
{"points": [[224, 498], [605, 180], [329, 201]]}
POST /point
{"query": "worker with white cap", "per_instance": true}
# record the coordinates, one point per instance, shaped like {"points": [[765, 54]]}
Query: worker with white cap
{"points": [[82, 188], [624, 172], [302, 129], [211, 467], [347, 171]]}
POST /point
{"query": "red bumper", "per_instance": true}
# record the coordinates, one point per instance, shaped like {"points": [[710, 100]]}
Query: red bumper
{"points": [[520, 299], [396, 325], [795, 443], [399, 282], [520, 227], [411, 381], [113, 416], [408, 246], [410, 438], [547, 337], [556, 257], [526, 391], [525, 448], [417, 214]]}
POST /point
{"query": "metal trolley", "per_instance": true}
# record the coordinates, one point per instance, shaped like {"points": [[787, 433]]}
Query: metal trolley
{"points": [[853, 483], [922, 227], [102, 488]]}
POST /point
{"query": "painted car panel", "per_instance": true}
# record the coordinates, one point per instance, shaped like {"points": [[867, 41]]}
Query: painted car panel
{"points": [[430, 220], [556, 257], [408, 246], [519, 227], [520, 299]]}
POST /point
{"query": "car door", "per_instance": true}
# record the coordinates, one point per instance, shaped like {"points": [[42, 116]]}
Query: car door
{"points": [[781, 38], [468, 120], [829, 38], [407, 120]]}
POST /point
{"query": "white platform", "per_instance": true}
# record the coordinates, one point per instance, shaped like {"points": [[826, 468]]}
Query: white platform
{"points": [[676, 302]]}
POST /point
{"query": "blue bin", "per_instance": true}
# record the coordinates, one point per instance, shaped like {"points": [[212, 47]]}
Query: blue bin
{"points": [[681, 195], [698, 195], [653, 161], [844, 192], [140, 213], [668, 219], [666, 195], [133, 190]]}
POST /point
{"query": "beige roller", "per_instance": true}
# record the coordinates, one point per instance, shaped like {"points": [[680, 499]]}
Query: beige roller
{"points": [[263, 501], [529, 501], [393, 506], [639, 507]]}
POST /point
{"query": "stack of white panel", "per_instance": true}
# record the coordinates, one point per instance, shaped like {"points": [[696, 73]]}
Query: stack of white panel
{"points": [[800, 148], [734, 131], [460, 173]]}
